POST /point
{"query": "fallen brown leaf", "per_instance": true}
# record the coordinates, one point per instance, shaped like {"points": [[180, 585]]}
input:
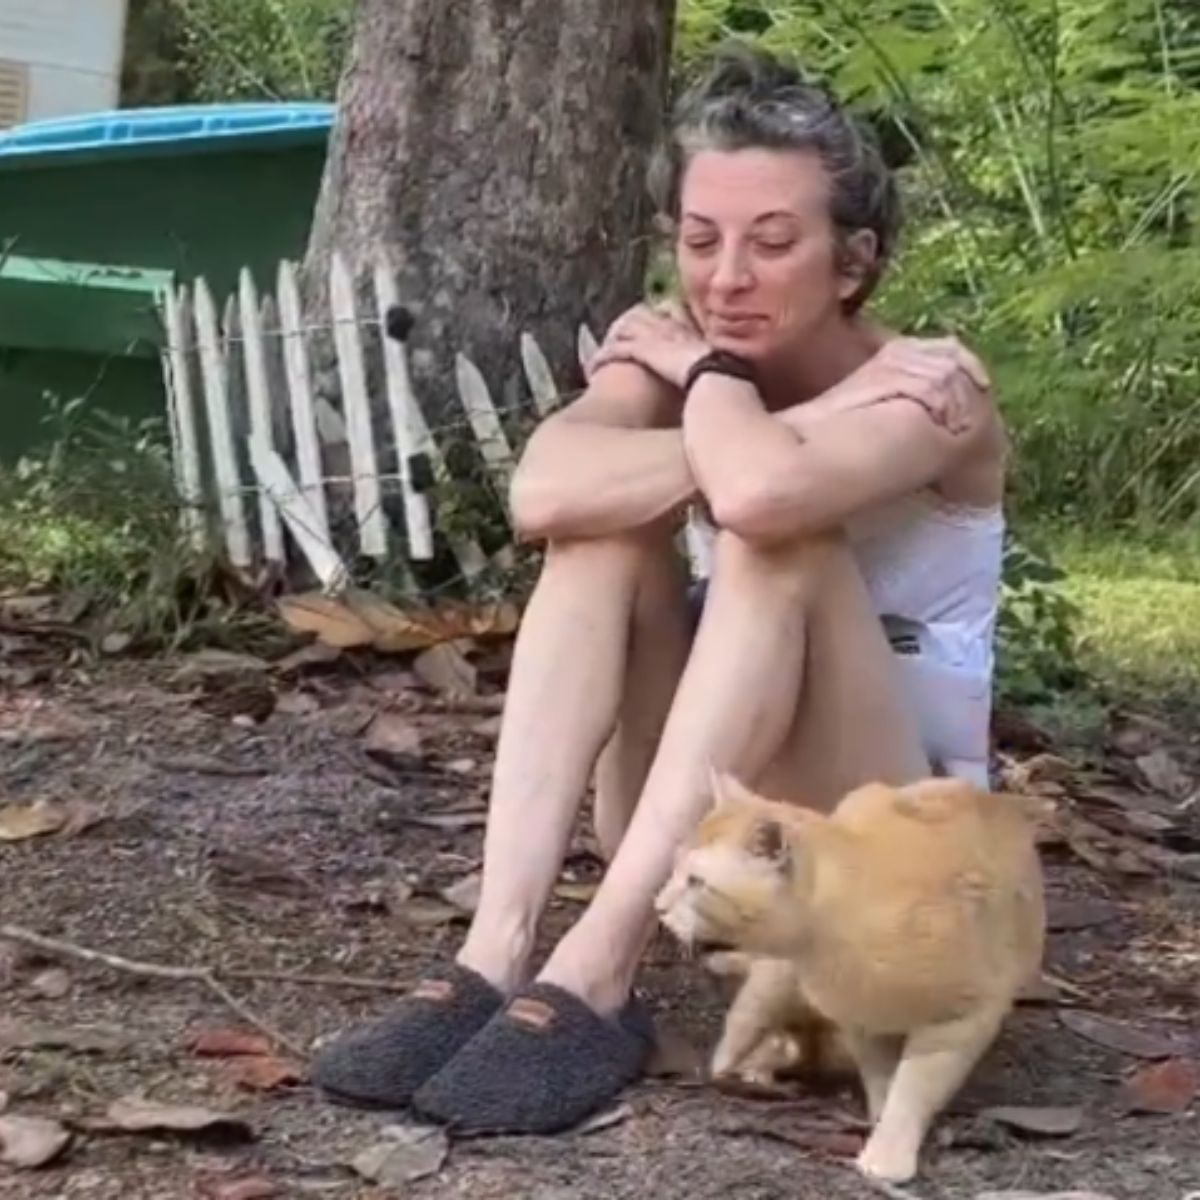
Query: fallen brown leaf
{"points": [[227, 1043], [393, 739], [1115, 1035], [405, 1155], [315, 654], [1045, 1122], [1042, 1196], [53, 984], [1164, 774], [577, 893], [445, 669], [20, 822], [428, 914], [1166, 1087], [359, 618], [16, 1035], [31, 1142], [449, 819], [297, 704], [250, 1187], [262, 1072], [136, 1115], [464, 894], [605, 1120]]}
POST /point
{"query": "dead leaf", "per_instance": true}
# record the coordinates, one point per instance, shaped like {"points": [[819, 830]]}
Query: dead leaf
{"points": [[359, 618], [674, 1057], [1079, 913], [297, 704], [406, 1155], [136, 1115], [53, 984], [250, 1187], [15, 1035], [393, 739], [205, 663], [227, 1043], [450, 819], [464, 894], [82, 816], [1166, 1087], [1042, 1196], [446, 670], [428, 914], [1114, 1035], [31, 1142], [1045, 1122], [605, 1120], [461, 766], [578, 893], [18, 822], [115, 643], [263, 1072], [315, 654], [1165, 775]]}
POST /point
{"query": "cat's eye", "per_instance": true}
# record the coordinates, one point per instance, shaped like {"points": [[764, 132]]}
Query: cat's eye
{"points": [[694, 882]]}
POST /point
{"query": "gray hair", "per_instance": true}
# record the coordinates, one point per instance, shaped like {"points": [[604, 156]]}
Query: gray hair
{"points": [[749, 99]]}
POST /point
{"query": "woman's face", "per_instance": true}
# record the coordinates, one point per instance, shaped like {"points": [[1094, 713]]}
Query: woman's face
{"points": [[757, 253]]}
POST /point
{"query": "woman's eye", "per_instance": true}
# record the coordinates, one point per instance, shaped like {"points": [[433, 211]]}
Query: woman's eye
{"points": [[700, 244], [776, 247]]}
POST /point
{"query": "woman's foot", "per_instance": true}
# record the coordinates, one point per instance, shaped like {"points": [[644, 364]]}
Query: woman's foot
{"points": [[382, 1064], [542, 1064]]}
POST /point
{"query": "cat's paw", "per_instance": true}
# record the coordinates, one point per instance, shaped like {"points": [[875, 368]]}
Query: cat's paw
{"points": [[890, 1162]]}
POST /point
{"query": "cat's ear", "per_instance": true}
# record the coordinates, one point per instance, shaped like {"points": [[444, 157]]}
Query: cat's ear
{"points": [[728, 791], [769, 841]]}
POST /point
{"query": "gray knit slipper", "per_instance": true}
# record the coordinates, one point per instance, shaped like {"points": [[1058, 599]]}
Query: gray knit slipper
{"points": [[543, 1064], [380, 1065]]}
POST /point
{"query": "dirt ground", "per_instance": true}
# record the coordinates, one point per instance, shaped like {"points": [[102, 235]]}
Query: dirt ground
{"points": [[219, 841]]}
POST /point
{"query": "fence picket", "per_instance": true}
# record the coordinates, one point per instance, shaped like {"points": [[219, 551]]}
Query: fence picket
{"points": [[363, 467], [485, 421], [181, 412], [259, 405], [402, 406], [539, 376], [300, 400], [224, 453], [587, 347]]}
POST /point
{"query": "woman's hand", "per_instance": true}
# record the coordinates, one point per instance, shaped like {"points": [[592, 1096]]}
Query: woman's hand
{"points": [[662, 340], [939, 374]]}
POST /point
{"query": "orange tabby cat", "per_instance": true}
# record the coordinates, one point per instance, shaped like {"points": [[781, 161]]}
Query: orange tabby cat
{"points": [[912, 917]]}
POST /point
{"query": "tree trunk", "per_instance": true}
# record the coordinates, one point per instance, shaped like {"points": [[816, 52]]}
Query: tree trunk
{"points": [[497, 150]]}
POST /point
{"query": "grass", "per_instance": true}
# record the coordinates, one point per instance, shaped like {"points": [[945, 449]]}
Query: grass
{"points": [[1139, 596]]}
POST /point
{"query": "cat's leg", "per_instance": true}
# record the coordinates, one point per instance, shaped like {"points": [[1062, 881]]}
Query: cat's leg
{"points": [[601, 646], [747, 1023], [876, 1058], [934, 1064]]}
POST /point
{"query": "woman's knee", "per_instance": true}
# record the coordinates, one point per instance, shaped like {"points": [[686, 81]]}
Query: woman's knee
{"points": [[797, 565]]}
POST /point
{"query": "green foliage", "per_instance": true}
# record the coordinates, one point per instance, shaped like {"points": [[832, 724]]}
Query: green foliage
{"points": [[211, 50], [1050, 150], [1036, 634], [96, 520]]}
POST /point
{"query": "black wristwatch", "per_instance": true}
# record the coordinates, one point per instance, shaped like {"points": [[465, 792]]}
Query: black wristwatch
{"points": [[719, 362]]}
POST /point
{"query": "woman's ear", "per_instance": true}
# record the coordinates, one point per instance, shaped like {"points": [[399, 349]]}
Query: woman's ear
{"points": [[858, 253]]}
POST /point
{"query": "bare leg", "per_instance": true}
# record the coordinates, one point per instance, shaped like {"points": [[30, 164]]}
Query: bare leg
{"points": [[659, 645], [779, 623], [876, 1059], [933, 1066], [567, 681]]}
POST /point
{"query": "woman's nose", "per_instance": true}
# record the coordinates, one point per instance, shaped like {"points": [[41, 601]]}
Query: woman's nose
{"points": [[733, 271]]}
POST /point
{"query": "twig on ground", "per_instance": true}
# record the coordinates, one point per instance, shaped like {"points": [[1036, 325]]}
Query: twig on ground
{"points": [[361, 982], [202, 975]]}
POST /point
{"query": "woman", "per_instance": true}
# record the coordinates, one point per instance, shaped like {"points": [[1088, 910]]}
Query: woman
{"points": [[846, 475]]}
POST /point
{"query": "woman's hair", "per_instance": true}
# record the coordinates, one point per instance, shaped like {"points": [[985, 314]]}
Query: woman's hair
{"points": [[749, 99]]}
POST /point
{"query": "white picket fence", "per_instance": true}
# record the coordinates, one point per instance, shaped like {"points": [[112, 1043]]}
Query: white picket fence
{"points": [[240, 371]]}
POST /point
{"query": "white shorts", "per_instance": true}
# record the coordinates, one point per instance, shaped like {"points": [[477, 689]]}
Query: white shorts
{"points": [[953, 702]]}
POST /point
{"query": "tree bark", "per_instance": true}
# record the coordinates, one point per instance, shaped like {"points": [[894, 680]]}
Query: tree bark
{"points": [[497, 150]]}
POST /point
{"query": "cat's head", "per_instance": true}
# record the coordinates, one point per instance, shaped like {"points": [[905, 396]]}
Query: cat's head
{"points": [[744, 879]]}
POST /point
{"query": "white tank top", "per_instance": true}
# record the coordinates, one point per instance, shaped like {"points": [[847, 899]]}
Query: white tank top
{"points": [[927, 564]]}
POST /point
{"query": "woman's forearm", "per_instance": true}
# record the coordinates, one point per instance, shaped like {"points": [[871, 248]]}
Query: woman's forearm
{"points": [[580, 480]]}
